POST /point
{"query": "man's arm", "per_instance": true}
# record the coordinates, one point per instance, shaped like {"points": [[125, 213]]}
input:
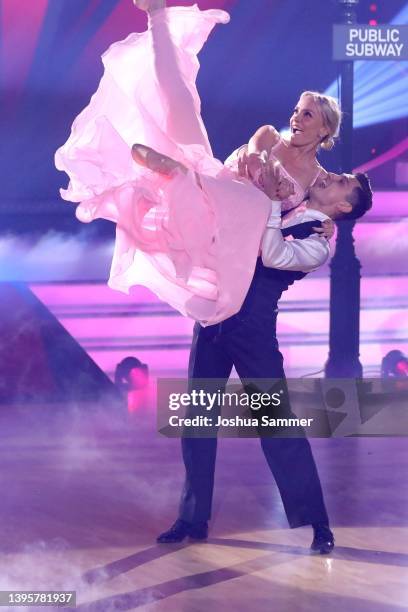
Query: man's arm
{"points": [[297, 255]]}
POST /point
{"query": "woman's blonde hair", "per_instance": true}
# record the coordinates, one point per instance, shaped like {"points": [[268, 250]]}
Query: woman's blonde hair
{"points": [[331, 113]]}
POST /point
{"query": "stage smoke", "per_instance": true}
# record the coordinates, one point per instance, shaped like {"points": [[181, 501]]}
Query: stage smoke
{"points": [[54, 256]]}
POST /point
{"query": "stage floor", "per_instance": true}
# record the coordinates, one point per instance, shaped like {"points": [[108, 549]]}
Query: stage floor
{"points": [[85, 493]]}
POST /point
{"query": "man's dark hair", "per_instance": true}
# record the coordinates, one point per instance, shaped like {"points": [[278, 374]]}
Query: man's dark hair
{"points": [[361, 198]]}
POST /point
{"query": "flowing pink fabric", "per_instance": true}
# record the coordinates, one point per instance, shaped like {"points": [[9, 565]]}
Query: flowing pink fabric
{"points": [[194, 244]]}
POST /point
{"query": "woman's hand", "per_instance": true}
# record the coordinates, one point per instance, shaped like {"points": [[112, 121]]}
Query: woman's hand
{"points": [[254, 165], [250, 165], [271, 182], [285, 189], [242, 161], [327, 229]]}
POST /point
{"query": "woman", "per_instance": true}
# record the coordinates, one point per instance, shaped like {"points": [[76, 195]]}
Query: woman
{"points": [[192, 237], [314, 124]]}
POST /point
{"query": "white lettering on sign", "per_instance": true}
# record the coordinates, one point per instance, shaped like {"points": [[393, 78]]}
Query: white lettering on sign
{"points": [[364, 35], [374, 49]]}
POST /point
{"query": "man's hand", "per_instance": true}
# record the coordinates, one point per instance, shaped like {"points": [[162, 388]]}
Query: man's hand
{"points": [[327, 229]]}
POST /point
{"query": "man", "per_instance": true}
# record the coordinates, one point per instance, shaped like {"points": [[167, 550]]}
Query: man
{"points": [[248, 341]]}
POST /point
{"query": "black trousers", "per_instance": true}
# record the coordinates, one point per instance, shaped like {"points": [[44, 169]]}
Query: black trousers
{"points": [[250, 345]]}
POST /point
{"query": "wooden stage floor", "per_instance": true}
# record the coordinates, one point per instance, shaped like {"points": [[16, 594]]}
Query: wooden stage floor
{"points": [[84, 494]]}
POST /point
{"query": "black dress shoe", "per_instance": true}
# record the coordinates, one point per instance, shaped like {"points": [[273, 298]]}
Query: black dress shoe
{"points": [[181, 529], [323, 541]]}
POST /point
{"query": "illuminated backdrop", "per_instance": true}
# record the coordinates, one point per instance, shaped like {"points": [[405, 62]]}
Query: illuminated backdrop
{"points": [[252, 72]]}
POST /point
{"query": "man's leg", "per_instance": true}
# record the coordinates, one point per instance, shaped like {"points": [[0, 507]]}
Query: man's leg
{"points": [[207, 361], [255, 353]]}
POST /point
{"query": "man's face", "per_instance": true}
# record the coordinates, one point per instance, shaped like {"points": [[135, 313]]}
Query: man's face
{"points": [[330, 192]]}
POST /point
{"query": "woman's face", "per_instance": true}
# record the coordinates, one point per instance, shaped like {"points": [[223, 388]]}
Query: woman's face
{"points": [[306, 123]]}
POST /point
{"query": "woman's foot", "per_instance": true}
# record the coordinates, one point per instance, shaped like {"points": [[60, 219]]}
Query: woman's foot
{"points": [[149, 158], [149, 5]]}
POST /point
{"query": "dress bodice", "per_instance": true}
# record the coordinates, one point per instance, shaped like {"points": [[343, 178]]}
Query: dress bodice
{"points": [[292, 201], [299, 193]]}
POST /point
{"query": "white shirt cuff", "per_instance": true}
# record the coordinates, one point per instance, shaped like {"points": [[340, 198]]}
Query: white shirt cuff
{"points": [[275, 215]]}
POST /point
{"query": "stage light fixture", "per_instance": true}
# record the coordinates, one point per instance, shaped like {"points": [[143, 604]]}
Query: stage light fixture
{"points": [[394, 365], [131, 374]]}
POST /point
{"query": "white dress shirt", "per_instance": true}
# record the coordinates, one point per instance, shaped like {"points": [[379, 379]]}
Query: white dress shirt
{"points": [[302, 255]]}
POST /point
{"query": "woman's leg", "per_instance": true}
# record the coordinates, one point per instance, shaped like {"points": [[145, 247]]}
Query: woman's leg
{"points": [[184, 124]]}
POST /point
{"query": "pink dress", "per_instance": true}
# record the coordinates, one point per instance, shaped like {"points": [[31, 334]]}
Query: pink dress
{"points": [[194, 245]]}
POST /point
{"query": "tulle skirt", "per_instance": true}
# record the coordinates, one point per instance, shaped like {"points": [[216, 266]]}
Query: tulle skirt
{"points": [[191, 238]]}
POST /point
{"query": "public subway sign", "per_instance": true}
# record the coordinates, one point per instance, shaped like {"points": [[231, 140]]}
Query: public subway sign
{"points": [[362, 42]]}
